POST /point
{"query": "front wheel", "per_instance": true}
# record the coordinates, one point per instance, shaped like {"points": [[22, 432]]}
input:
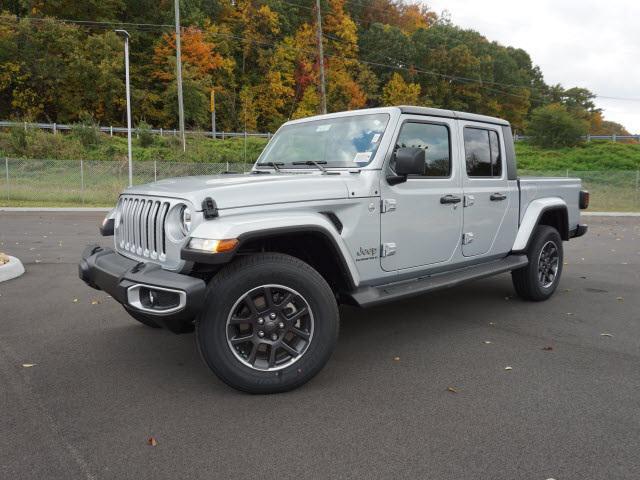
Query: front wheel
{"points": [[269, 324], [539, 279]]}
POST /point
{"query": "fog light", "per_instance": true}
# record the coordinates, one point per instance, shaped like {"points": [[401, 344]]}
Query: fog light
{"points": [[156, 299]]}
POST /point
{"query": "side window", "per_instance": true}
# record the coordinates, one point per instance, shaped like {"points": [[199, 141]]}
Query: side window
{"points": [[434, 139], [482, 153]]}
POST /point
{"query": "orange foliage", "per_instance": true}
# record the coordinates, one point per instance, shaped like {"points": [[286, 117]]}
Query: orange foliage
{"points": [[196, 52]]}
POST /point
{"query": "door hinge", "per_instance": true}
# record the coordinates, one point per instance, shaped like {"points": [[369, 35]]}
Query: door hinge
{"points": [[388, 205], [469, 200], [467, 238], [388, 249]]}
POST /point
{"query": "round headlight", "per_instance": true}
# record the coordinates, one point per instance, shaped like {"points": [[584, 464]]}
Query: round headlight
{"points": [[185, 219]]}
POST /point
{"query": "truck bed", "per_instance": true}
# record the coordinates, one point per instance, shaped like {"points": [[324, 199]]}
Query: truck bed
{"points": [[568, 189]]}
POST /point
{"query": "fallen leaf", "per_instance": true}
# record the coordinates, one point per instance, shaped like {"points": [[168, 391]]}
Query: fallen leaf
{"points": [[606, 335], [29, 365], [508, 368], [396, 359], [452, 390], [548, 349], [152, 441]]}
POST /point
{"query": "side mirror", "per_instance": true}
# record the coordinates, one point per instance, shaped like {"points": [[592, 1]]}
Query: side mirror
{"points": [[409, 161]]}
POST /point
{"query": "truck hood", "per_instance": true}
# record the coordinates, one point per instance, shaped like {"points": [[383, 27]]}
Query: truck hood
{"points": [[241, 190]]}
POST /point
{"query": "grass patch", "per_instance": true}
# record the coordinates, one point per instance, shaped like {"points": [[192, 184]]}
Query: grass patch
{"points": [[16, 143], [596, 155]]}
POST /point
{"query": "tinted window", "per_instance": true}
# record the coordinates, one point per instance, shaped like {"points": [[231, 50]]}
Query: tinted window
{"points": [[482, 153], [434, 139], [496, 158]]}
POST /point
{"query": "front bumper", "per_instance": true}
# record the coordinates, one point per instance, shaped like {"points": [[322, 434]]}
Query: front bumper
{"points": [[122, 278]]}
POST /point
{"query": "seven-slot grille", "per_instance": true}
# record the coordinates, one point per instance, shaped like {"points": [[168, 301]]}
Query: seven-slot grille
{"points": [[141, 229]]}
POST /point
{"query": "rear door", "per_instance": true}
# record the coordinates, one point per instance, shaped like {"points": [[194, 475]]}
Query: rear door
{"points": [[417, 227], [487, 193]]}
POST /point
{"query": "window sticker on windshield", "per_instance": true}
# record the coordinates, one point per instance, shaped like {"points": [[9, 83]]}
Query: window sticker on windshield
{"points": [[323, 128], [375, 138], [362, 157]]}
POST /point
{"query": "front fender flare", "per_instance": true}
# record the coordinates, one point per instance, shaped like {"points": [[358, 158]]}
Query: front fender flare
{"points": [[251, 226], [531, 217]]}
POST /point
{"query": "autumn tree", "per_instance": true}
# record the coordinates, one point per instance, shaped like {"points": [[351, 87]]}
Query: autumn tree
{"points": [[399, 92]]}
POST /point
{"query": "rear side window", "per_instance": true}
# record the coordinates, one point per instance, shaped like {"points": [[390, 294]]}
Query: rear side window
{"points": [[434, 139], [482, 153]]}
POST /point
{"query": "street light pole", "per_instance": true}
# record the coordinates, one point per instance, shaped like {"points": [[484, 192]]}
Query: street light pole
{"points": [[125, 35], [179, 76]]}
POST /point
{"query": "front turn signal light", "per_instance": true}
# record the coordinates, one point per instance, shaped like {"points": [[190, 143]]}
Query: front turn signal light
{"points": [[213, 246]]}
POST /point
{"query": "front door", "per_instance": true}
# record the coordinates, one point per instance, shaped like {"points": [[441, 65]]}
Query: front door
{"points": [[486, 190], [421, 219]]}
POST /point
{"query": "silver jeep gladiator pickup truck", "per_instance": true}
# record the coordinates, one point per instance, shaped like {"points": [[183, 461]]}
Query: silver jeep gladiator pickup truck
{"points": [[359, 207]]}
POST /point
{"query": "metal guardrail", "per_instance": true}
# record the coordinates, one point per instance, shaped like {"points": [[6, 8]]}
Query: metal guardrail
{"points": [[588, 138], [55, 127]]}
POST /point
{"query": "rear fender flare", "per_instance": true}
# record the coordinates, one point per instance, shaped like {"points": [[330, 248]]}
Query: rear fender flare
{"points": [[531, 219]]}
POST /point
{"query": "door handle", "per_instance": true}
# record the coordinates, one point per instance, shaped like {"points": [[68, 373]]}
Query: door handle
{"points": [[497, 197], [449, 199]]}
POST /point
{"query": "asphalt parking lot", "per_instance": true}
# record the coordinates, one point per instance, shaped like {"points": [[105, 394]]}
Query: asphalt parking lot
{"points": [[416, 389]]}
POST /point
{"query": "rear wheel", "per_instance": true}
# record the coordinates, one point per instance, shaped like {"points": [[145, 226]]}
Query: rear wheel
{"points": [[539, 279], [269, 324]]}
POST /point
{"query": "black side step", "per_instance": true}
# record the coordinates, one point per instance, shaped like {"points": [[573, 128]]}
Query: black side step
{"points": [[370, 296]]}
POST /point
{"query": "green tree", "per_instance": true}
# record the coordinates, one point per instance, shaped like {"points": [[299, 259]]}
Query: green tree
{"points": [[553, 126]]}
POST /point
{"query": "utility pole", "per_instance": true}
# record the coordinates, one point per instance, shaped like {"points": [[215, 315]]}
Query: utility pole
{"points": [[179, 77], [124, 34], [323, 95]]}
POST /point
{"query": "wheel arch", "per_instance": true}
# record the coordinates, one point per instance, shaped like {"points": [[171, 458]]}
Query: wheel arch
{"points": [[313, 238], [551, 211], [310, 243]]}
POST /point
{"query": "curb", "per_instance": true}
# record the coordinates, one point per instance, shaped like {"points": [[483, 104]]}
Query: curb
{"points": [[611, 214], [11, 270]]}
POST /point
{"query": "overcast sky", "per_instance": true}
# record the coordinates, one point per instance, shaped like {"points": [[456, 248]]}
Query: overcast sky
{"points": [[585, 43]]}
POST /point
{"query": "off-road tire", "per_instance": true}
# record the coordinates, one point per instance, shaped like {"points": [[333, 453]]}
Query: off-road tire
{"points": [[248, 274], [526, 280]]}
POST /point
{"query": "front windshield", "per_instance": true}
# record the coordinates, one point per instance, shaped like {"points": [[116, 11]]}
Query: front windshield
{"points": [[332, 142]]}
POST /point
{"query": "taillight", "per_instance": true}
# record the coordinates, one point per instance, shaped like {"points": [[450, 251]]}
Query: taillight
{"points": [[584, 199]]}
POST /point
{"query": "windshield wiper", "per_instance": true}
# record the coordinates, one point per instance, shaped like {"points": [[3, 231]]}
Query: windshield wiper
{"points": [[276, 165], [313, 162]]}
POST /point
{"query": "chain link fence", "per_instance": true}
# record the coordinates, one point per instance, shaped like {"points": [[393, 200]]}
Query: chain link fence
{"points": [[42, 183], [29, 182]]}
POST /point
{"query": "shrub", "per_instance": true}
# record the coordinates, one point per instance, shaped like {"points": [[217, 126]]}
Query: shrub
{"points": [[145, 135], [86, 131], [18, 139], [553, 126]]}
